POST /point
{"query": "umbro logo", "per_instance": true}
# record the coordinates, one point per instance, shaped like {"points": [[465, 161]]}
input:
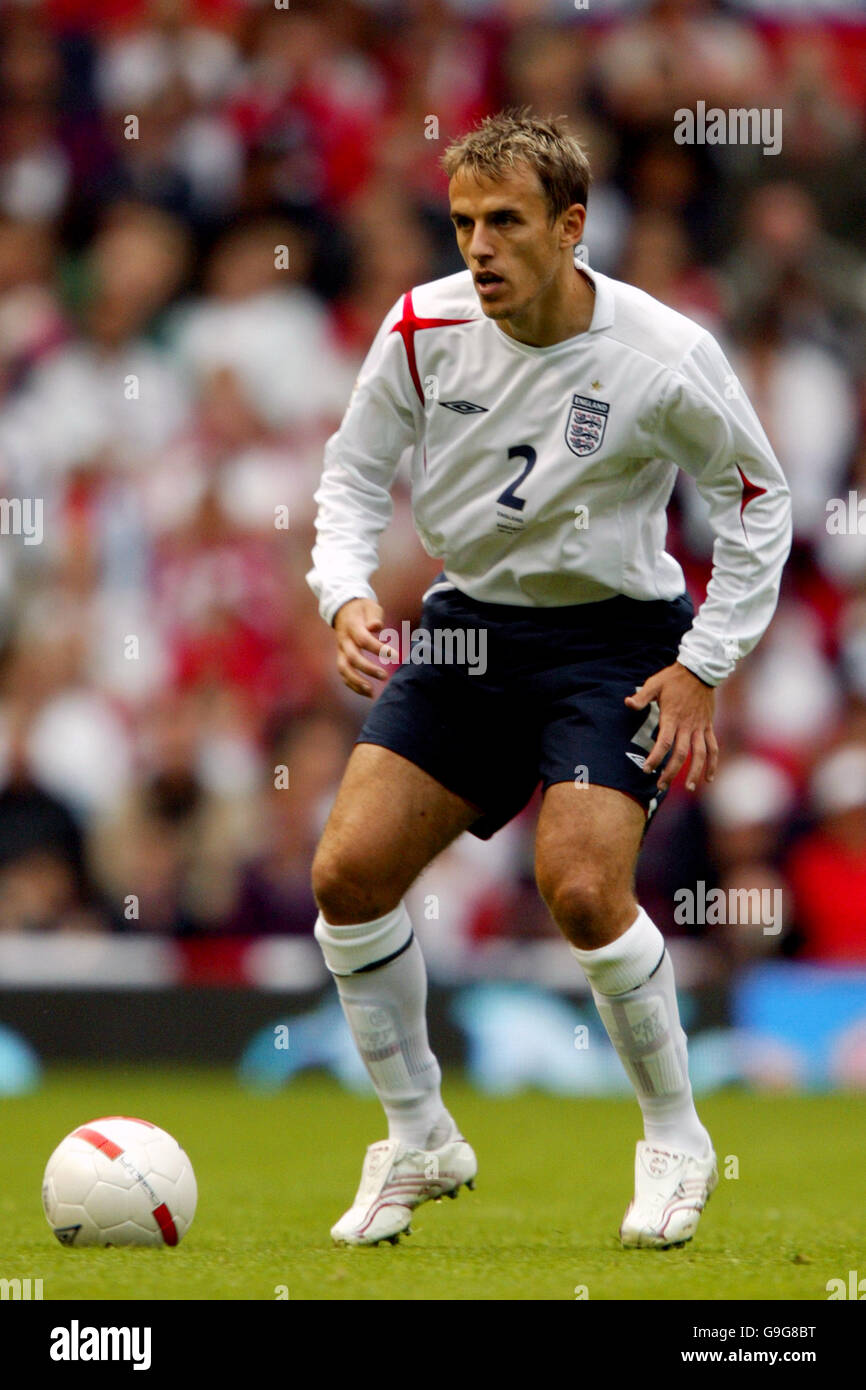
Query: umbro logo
{"points": [[637, 758], [463, 407], [66, 1234]]}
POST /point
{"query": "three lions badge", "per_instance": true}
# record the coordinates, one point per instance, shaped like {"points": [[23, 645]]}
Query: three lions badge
{"points": [[584, 428]]}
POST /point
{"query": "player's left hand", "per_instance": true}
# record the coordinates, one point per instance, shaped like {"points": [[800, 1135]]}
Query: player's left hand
{"points": [[686, 708]]}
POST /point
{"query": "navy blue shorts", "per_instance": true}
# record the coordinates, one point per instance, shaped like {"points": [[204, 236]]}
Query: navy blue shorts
{"points": [[548, 705]]}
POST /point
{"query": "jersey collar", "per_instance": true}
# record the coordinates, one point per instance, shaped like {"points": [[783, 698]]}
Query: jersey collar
{"points": [[602, 314]]}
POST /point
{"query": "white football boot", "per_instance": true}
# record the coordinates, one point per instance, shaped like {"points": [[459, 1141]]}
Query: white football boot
{"points": [[671, 1190], [394, 1180]]}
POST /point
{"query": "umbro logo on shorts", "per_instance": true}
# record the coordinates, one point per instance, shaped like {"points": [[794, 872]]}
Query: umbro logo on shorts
{"points": [[637, 758], [463, 407]]}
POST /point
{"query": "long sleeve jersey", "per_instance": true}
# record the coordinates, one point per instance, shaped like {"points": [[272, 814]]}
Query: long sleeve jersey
{"points": [[541, 475]]}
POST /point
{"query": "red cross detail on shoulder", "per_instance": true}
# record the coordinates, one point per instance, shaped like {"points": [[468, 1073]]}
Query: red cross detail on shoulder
{"points": [[408, 326], [750, 492]]}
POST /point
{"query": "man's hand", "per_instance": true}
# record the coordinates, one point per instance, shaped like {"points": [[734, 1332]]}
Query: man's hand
{"points": [[356, 625], [686, 709]]}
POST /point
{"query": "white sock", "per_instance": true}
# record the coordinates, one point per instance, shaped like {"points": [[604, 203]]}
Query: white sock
{"points": [[385, 1007], [633, 986]]}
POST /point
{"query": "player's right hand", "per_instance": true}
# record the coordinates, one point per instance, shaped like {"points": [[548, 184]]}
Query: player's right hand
{"points": [[356, 625]]}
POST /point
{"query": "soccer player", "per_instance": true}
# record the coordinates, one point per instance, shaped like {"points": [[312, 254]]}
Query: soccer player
{"points": [[547, 408]]}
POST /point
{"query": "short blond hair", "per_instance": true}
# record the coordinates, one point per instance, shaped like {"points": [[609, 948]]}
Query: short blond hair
{"points": [[499, 142]]}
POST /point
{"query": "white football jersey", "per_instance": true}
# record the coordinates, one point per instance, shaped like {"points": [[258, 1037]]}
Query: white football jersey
{"points": [[541, 475]]}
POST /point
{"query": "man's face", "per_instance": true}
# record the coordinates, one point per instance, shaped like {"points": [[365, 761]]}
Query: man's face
{"points": [[506, 238]]}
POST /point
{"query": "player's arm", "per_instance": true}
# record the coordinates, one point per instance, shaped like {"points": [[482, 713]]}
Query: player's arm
{"points": [[354, 502], [709, 428]]}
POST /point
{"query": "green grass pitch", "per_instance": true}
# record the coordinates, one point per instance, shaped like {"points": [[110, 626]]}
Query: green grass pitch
{"points": [[555, 1175]]}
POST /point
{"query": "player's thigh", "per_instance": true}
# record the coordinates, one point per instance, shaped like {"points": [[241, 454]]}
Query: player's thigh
{"points": [[586, 849], [389, 820]]}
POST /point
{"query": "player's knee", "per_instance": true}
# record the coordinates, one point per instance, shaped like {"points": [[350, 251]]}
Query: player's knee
{"points": [[581, 907], [348, 891]]}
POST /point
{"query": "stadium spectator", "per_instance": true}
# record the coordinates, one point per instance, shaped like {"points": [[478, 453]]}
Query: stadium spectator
{"points": [[827, 867], [166, 854], [676, 53], [300, 780], [806, 404], [169, 375], [110, 395], [257, 317], [44, 882]]}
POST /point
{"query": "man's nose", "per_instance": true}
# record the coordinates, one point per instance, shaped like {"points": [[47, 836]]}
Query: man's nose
{"points": [[479, 243]]}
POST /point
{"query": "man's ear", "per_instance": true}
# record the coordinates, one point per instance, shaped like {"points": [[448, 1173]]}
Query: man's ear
{"points": [[573, 223]]}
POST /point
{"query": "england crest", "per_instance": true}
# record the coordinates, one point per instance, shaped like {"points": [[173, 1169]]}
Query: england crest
{"points": [[584, 428]]}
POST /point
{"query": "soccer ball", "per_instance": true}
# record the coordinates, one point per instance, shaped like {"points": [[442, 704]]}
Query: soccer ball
{"points": [[119, 1181]]}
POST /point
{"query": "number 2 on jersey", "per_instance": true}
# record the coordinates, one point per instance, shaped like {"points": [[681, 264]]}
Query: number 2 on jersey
{"points": [[509, 497]]}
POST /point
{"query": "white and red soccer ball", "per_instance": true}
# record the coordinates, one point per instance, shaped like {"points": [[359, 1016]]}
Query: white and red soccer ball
{"points": [[119, 1181]]}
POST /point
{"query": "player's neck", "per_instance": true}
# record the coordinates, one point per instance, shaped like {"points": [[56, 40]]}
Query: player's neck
{"points": [[564, 312]]}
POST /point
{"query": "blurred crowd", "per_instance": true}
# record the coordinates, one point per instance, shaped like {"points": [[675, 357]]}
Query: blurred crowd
{"points": [[206, 208]]}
